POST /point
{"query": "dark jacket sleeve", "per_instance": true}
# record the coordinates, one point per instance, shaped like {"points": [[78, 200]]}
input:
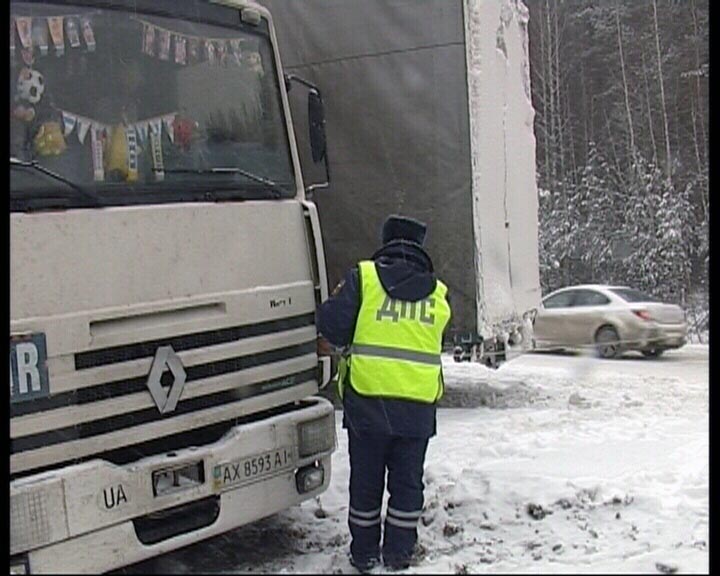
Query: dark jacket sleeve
{"points": [[338, 314]]}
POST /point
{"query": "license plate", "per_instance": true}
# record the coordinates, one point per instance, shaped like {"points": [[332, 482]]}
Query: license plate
{"points": [[246, 470], [28, 368]]}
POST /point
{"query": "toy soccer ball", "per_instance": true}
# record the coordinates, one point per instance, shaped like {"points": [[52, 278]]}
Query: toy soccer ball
{"points": [[30, 86]]}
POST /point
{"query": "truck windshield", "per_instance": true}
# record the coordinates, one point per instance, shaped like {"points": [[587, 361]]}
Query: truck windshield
{"points": [[142, 108]]}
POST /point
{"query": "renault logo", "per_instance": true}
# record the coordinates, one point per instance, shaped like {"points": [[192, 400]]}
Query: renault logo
{"points": [[166, 401]]}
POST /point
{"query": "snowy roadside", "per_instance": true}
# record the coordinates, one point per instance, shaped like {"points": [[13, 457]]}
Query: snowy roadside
{"points": [[562, 464]]}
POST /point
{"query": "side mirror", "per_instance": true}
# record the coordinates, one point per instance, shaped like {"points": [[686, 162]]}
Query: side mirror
{"points": [[316, 127], [316, 117]]}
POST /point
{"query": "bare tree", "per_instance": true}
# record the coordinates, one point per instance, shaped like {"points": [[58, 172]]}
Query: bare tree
{"points": [[633, 152], [649, 109], [668, 166]]}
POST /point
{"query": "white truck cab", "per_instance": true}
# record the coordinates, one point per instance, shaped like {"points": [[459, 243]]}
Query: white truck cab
{"points": [[165, 271]]}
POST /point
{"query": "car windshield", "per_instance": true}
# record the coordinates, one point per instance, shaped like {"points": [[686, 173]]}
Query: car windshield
{"points": [[129, 106], [630, 295]]}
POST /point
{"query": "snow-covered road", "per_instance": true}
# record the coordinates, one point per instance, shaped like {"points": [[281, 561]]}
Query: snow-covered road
{"points": [[561, 463]]}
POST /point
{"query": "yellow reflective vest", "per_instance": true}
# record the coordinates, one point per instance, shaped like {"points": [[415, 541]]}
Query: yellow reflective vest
{"points": [[397, 345]]}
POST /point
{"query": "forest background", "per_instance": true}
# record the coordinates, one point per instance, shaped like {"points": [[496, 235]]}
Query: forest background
{"points": [[620, 91]]}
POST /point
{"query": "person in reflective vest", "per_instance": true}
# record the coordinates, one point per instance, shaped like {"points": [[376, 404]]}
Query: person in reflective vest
{"points": [[387, 318]]}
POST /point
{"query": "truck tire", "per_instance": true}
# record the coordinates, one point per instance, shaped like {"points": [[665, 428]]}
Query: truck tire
{"points": [[607, 342]]}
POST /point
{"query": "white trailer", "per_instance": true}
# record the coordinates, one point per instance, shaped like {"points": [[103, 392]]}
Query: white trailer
{"points": [[430, 115]]}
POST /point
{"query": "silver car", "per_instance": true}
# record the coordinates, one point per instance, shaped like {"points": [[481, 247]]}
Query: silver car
{"points": [[611, 319]]}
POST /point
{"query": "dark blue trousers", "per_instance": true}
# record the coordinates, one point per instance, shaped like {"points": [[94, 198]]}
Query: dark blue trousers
{"points": [[370, 457]]}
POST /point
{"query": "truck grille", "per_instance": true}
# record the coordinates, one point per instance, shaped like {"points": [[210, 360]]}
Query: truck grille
{"points": [[118, 420], [95, 358]]}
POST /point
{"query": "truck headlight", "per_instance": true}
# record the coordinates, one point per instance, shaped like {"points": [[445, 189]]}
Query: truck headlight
{"points": [[316, 436], [37, 515]]}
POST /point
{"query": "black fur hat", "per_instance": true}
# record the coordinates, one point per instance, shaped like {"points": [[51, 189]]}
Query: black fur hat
{"points": [[402, 228]]}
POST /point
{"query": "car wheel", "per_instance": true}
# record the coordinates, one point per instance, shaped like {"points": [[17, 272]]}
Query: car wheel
{"points": [[652, 352], [607, 342]]}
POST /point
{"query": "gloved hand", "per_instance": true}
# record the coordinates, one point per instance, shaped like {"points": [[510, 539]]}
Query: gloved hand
{"points": [[324, 348]]}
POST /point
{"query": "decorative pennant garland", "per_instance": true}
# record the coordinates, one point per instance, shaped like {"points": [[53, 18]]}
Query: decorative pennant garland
{"points": [[40, 31], [158, 42], [136, 134], [72, 121]]}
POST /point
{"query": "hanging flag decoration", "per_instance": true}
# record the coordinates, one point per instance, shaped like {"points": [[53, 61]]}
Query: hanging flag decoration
{"points": [[83, 127], [237, 53], [24, 28], [88, 34], [194, 50], [96, 139], [142, 131], [180, 50], [169, 123], [209, 50], [222, 52], [40, 35], [157, 157], [72, 29], [164, 44], [69, 122], [148, 46], [156, 148], [132, 153], [55, 23]]}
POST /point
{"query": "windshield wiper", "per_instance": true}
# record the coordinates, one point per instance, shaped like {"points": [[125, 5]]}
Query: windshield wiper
{"points": [[226, 170], [35, 165]]}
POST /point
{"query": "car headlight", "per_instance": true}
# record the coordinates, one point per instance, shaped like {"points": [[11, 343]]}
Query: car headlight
{"points": [[316, 436]]}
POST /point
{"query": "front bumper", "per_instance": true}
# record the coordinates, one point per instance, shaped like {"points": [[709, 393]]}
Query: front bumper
{"points": [[75, 520]]}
